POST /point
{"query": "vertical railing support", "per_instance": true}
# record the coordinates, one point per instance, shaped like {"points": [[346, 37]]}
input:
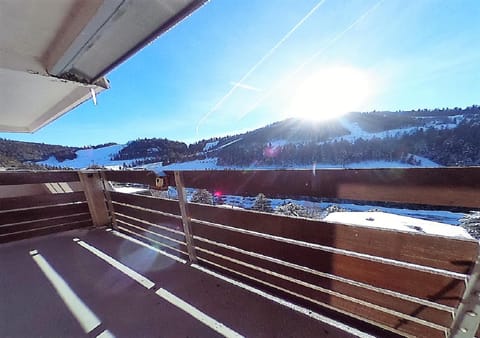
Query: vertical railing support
{"points": [[94, 193], [187, 227], [107, 187], [467, 317]]}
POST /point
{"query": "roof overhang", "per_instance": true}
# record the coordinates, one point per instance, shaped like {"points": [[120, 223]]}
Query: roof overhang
{"points": [[54, 54]]}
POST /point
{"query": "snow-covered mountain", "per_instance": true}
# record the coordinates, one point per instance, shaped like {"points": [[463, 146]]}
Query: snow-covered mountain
{"points": [[357, 140], [427, 138]]}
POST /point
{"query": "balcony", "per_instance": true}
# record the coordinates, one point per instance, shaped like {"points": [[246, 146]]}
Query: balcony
{"points": [[80, 259]]}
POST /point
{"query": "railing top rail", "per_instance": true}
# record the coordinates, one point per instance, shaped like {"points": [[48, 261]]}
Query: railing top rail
{"points": [[36, 177], [451, 187]]}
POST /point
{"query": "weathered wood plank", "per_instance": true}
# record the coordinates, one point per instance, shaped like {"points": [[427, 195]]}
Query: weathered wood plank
{"points": [[437, 288], [40, 200], [44, 231], [142, 224], [455, 255], [10, 191], [35, 224], [439, 186], [169, 206], [31, 177], [150, 216], [399, 303], [146, 177], [369, 313], [42, 213], [187, 228], [94, 192]]}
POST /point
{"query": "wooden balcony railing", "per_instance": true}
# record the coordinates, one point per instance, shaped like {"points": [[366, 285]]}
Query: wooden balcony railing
{"points": [[408, 283], [33, 204]]}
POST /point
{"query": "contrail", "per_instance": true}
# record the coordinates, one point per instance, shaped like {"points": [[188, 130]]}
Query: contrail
{"points": [[245, 86], [310, 59], [262, 60]]}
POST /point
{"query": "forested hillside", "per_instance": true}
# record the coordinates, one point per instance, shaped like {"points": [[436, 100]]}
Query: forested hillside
{"points": [[152, 150], [459, 146], [447, 137], [16, 153]]}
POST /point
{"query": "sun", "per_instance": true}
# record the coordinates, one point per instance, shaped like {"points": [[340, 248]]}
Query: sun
{"points": [[331, 92]]}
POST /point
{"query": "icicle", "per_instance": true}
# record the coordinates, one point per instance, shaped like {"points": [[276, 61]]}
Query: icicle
{"points": [[94, 96]]}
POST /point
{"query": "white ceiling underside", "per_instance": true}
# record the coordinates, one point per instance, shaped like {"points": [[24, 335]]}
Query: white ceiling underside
{"points": [[54, 52]]}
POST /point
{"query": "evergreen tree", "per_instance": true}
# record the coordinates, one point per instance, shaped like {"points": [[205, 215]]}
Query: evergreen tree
{"points": [[202, 196], [292, 209], [262, 203], [471, 222]]}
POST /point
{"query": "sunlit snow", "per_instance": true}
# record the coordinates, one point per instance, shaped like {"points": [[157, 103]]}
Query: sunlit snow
{"points": [[396, 222], [88, 157]]}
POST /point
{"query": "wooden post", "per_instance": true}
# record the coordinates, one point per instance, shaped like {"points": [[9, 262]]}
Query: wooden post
{"points": [[94, 193], [107, 187], [187, 228]]}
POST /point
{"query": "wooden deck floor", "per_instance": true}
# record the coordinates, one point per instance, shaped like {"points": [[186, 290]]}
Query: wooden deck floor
{"points": [[183, 302]]}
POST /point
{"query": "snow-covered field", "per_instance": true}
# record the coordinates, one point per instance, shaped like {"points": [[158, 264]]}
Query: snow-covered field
{"points": [[211, 164], [207, 164], [87, 157]]}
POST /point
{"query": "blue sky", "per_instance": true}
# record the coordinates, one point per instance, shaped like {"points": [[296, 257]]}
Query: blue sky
{"points": [[414, 53]]}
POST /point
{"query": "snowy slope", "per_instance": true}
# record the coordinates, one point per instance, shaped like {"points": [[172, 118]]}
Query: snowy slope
{"points": [[213, 146], [358, 133], [210, 145], [87, 157]]}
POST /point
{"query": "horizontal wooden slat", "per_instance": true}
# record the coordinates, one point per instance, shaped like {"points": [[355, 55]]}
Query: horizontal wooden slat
{"points": [[35, 224], [10, 191], [152, 240], [42, 213], [40, 200], [132, 176], [441, 289], [166, 242], [150, 216], [443, 253], [150, 227], [12, 178], [360, 310], [439, 186], [154, 203], [399, 303], [44, 231]]}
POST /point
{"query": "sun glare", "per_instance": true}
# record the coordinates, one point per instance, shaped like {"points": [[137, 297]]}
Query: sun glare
{"points": [[330, 93]]}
